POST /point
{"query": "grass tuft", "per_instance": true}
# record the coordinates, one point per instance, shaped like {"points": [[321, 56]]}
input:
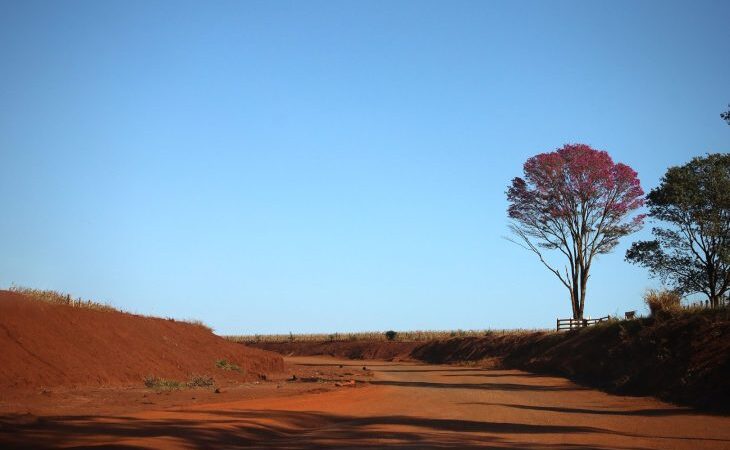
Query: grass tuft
{"points": [[161, 384], [227, 365], [663, 301], [200, 381], [198, 323]]}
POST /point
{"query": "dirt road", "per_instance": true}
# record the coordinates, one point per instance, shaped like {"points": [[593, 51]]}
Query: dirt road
{"points": [[405, 406]]}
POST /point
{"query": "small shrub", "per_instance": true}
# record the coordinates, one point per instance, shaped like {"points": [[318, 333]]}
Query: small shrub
{"points": [[161, 384], [200, 381], [390, 335], [227, 365], [663, 301], [198, 323]]}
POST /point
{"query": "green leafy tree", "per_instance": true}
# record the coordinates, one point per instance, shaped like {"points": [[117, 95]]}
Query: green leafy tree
{"points": [[692, 254]]}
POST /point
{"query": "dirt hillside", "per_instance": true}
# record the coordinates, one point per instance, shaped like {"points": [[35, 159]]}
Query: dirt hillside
{"points": [[683, 358], [46, 345], [384, 350]]}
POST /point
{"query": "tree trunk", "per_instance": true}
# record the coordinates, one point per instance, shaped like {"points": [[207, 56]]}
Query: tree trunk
{"points": [[583, 284], [714, 300], [575, 302], [714, 297], [578, 293]]}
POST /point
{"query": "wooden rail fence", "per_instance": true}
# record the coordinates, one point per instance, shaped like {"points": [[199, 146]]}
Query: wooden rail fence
{"points": [[574, 324]]}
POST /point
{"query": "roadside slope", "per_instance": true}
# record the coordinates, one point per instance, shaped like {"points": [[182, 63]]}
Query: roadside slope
{"points": [[683, 358], [344, 349], [45, 345]]}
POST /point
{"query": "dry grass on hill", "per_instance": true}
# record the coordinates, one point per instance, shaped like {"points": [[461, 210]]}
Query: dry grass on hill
{"points": [[60, 298]]}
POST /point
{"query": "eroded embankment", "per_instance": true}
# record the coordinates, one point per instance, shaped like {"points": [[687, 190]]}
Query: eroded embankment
{"points": [[685, 358], [45, 345], [344, 349]]}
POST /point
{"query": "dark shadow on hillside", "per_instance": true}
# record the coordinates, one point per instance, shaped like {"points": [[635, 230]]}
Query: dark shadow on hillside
{"points": [[502, 375], [291, 430], [657, 412], [434, 370], [342, 365], [479, 386]]}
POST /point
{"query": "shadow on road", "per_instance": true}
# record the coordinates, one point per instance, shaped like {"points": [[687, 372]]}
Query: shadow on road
{"points": [[285, 429]]}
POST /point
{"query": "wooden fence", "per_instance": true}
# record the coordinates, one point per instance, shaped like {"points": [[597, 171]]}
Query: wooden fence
{"points": [[574, 324]]}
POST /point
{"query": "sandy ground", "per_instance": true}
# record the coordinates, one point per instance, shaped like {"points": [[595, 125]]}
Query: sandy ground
{"points": [[396, 405]]}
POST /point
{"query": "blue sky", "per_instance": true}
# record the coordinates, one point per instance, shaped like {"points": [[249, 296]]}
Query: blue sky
{"points": [[332, 166]]}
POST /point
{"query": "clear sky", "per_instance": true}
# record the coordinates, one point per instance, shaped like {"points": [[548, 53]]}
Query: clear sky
{"points": [[332, 166]]}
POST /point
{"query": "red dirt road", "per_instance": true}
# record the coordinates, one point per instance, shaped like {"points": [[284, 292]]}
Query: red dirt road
{"points": [[413, 406]]}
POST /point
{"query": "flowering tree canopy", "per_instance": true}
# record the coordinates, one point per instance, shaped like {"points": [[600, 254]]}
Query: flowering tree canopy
{"points": [[578, 201]]}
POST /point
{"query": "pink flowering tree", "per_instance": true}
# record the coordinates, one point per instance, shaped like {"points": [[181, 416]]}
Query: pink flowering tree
{"points": [[577, 201]]}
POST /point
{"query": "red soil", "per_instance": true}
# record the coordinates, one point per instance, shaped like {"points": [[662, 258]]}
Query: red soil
{"points": [[48, 345], [384, 350], [684, 358], [395, 405]]}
